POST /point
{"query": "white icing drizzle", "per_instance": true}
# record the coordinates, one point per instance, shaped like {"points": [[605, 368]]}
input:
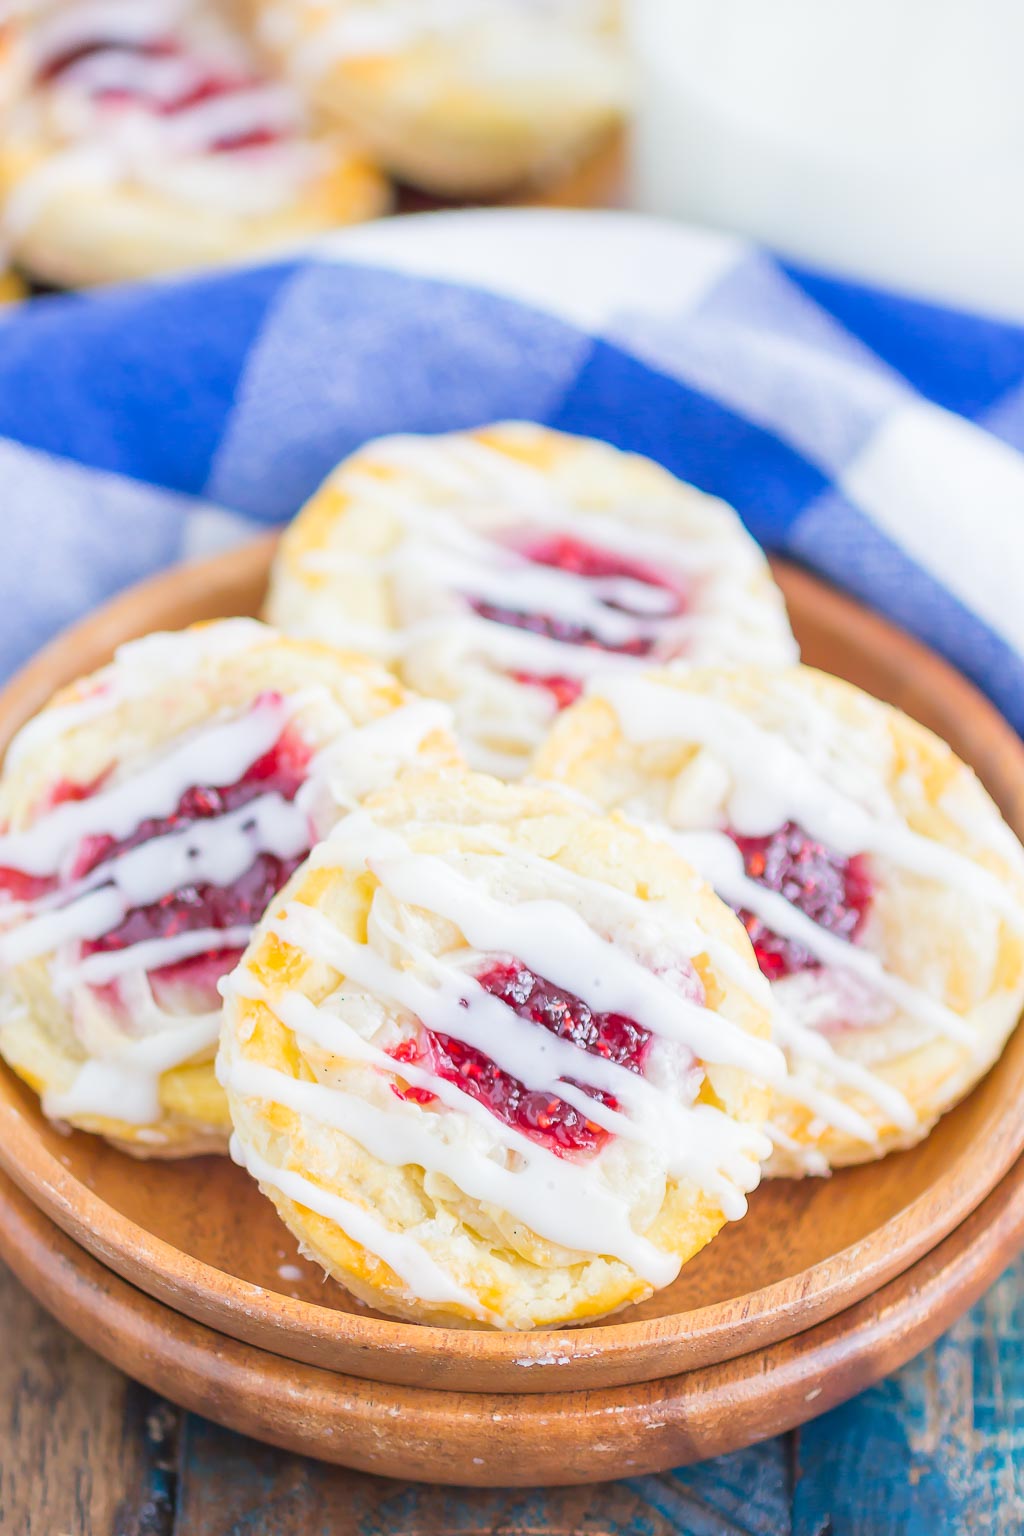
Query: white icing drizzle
{"points": [[360, 30], [455, 1004], [811, 1057], [765, 784], [467, 514], [505, 497], [51, 723], [568, 1201], [161, 80], [137, 667], [148, 955], [634, 913], [220, 754], [71, 26], [154, 135], [657, 1122], [719, 860], [548, 937], [570, 1204], [772, 783], [801, 1042], [239, 112], [216, 850], [350, 771], [809, 1158], [126, 1085], [401, 1251], [527, 587]]}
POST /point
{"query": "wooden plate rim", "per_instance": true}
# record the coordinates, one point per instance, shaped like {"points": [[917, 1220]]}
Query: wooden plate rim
{"points": [[618, 1352], [495, 1440]]}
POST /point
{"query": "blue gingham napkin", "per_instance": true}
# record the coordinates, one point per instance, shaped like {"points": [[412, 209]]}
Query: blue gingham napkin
{"points": [[877, 439]]}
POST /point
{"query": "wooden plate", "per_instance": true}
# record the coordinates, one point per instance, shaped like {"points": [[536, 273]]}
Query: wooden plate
{"points": [[488, 1440], [199, 1236]]}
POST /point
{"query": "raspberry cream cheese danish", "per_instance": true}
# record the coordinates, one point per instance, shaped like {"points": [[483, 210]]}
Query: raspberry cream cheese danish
{"points": [[464, 98], [148, 815], [499, 569], [140, 138], [883, 893], [497, 1061]]}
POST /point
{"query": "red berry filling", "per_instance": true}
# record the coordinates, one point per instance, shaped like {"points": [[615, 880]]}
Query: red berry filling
{"points": [[544, 1117], [208, 86], [565, 553], [194, 907], [833, 891], [24, 887], [279, 771], [564, 690], [59, 63], [21, 887], [197, 974]]}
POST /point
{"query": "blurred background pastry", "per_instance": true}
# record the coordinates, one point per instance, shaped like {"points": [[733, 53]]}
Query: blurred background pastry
{"points": [[462, 98], [143, 136]]}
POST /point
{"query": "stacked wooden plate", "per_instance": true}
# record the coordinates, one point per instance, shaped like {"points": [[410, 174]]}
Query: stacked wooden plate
{"points": [[182, 1275]]}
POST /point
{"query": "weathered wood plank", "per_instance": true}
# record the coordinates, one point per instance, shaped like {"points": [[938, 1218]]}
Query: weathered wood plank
{"points": [[83, 1452], [229, 1485], [746, 1494], [938, 1448]]}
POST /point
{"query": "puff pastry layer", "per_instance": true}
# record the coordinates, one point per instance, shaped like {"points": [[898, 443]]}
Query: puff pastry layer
{"points": [[496, 1061], [464, 98], [144, 138], [499, 569], [148, 815], [882, 890]]}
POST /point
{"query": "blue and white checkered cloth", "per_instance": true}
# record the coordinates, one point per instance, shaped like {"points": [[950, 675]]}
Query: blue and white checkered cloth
{"points": [[876, 439]]}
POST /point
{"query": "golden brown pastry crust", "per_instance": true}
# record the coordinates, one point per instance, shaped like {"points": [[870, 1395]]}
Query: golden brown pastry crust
{"points": [[473, 108], [512, 842], [379, 558], [965, 953], [77, 213], [103, 729]]}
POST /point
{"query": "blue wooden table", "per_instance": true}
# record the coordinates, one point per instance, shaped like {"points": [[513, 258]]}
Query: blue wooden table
{"points": [[938, 1448]]}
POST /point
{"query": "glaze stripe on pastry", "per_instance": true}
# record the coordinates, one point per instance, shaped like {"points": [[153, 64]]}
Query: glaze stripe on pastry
{"points": [[462, 97], [127, 893], [882, 892], [466, 1018], [124, 112], [500, 569]]}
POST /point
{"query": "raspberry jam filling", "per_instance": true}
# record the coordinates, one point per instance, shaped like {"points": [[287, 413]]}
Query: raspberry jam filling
{"points": [[565, 553], [543, 1117], [564, 690], [195, 907], [833, 891], [280, 771], [208, 84], [60, 63], [20, 886]]}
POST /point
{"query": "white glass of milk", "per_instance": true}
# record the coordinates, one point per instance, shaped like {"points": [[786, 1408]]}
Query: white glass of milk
{"points": [[883, 139]]}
